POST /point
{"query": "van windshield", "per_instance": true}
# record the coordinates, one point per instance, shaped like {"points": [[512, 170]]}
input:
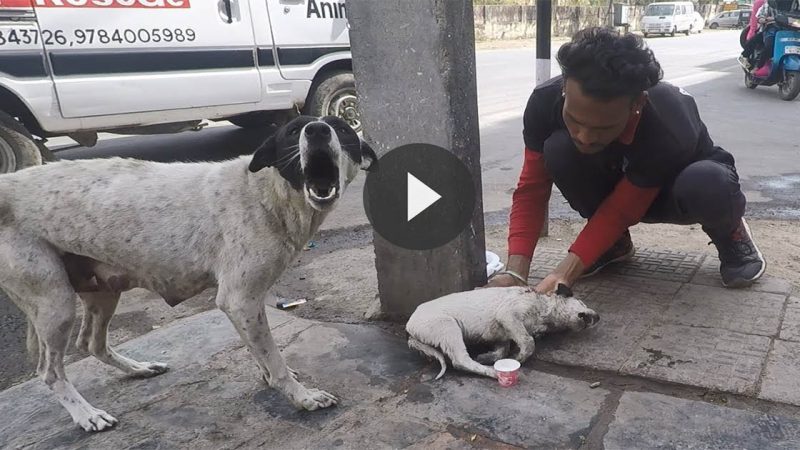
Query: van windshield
{"points": [[659, 10]]}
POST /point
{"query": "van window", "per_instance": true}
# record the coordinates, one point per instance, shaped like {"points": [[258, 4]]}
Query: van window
{"points": [[659, 10]]}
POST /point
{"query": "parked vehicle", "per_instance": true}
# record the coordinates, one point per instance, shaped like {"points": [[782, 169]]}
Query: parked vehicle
{"points": [[78, 67], [668, 18], [785, 63], [730, 19], [699, 23]]}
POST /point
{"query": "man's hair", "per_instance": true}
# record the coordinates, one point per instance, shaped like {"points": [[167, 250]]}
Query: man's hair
{"points": [[609, 65]]}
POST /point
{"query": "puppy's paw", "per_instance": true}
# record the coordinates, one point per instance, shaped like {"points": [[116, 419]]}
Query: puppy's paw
{"points": [[96, 420], [313, 399], [486, 359]]}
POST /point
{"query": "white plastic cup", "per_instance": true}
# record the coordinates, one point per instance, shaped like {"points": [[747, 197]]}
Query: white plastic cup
{"points": [[493, 264], [507, 372]]}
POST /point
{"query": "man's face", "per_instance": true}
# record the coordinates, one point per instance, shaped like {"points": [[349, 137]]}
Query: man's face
{"points": [[594, 123]]}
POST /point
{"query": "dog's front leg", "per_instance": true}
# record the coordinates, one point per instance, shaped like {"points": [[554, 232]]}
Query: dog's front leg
{"points": [[517, 333], [245, 309]]}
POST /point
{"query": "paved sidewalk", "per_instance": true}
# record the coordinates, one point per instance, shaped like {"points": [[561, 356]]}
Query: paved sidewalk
{"points": [[667, 317], [664, 324]]}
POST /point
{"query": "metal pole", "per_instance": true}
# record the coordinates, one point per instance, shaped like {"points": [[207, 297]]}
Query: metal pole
{"points": [[544, 18], [544, 14]]}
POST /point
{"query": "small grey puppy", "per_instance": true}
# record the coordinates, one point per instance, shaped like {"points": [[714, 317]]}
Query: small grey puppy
{"points": [[446, 325]]}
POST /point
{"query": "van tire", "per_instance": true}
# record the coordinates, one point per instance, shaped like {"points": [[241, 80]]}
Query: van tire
{"points": [[18, 149], [332, 88], [674, 30]]}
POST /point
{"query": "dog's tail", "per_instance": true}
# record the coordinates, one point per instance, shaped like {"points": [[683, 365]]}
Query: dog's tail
{"points": [[32, 342], [431, 352]]}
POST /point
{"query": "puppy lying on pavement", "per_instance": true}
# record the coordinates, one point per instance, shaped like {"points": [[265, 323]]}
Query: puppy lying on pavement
{"points": [[499, 315]]}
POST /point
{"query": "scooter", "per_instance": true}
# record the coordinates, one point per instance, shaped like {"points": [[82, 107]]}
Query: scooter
{"points": [[785, 63]]}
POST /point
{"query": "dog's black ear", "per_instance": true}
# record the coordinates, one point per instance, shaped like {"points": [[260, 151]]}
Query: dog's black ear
{"points": [[564, 291], [369, 160], [265, 155]]}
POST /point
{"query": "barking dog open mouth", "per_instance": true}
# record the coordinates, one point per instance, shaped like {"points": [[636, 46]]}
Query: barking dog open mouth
{"points": [[322, 181], [322, 195]]}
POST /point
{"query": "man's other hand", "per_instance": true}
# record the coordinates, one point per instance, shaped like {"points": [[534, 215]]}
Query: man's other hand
{"points": [[516, 263], [504, 280], [567, 272]]}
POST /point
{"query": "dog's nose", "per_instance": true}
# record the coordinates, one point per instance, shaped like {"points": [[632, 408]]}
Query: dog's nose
{"points": [[318, 131], [589, 318]]}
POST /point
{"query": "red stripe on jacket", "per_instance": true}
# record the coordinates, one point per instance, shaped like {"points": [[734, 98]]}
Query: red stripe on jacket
{"points": [[624, 207]]}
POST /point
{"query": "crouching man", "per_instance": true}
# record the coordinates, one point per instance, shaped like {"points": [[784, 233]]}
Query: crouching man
{"points": [[623, 147]]}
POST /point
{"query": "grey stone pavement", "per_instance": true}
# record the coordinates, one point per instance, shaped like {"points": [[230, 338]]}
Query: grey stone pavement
{"points": [[681, 361]]}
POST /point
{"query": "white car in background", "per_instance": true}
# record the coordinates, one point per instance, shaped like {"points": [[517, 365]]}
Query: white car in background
{"points": [[699, 23], [667, 18]]}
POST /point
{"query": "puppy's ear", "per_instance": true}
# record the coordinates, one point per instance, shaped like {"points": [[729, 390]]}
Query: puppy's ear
{"points": [[564, 291], [265, 155], [369, 160]]}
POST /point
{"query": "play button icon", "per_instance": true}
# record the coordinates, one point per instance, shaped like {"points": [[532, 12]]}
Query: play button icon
{"points": [[421, 197]]}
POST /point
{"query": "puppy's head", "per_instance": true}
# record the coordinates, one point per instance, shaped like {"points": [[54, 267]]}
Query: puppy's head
{"points": [[574, 313], [317, 156]]}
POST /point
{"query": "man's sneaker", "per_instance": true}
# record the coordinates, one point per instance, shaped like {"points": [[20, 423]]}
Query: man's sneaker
{"points": [[621, 251], [741, 262]]}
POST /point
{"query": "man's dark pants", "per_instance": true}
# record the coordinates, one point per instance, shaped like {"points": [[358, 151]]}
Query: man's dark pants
{"points": [[705, 192]]}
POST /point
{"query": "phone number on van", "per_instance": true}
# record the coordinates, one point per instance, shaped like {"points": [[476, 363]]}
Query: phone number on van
{"points": [[89, 36]]}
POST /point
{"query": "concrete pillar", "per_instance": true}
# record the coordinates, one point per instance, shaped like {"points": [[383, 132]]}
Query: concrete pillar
{"points": [[414, 65]]}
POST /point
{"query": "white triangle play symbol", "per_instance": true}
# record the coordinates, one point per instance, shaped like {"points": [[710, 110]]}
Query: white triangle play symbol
{"points": [[420, 197]]}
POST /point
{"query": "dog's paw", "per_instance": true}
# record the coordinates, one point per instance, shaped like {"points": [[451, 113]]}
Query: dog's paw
{"points": [[150, 369], [314, 399], [487, 359], [96, 420]]}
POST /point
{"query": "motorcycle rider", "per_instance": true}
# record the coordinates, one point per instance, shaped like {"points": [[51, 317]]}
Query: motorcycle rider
{"points": [[766, 20], [754, 38]]}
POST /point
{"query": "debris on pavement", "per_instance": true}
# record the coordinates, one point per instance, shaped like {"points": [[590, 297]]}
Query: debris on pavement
{"points": [[287, 304]]}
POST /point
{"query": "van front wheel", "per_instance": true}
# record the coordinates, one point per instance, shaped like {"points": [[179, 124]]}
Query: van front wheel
{"points": [[17, 149], [335, 95]]}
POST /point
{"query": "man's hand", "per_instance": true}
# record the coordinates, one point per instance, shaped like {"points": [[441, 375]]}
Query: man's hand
{"points": [[516, 263], [567, 272], [504, 280]]}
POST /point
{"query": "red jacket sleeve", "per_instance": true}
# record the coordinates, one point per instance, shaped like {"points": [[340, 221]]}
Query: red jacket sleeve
{"points": [[529, 204], [625, 207]]}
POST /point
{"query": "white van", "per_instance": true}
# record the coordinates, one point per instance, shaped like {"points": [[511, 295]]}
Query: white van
{"points": [[78, 67], [668, 18]]}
